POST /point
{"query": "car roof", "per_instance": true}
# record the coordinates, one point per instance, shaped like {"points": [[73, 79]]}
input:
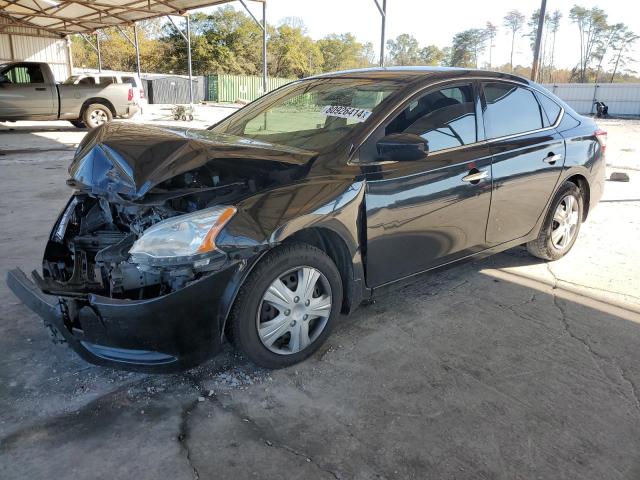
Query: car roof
{"points": [[413, 73]]}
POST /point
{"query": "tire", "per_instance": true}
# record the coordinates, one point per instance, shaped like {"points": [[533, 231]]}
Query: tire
{"points": [[183, 118], [77, 123], [251, 307], [96, 114], [546, 246], [190, 118]]}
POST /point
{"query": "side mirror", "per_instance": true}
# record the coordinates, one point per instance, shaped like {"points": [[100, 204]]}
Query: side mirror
{"points": [[402, 147]]}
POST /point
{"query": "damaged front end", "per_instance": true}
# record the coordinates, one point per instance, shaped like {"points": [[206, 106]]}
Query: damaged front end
{"points": [[90, 252], [132, 276]]}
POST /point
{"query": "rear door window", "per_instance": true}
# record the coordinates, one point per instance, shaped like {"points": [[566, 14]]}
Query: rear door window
{"points": [[130, 80], [511, 110]]}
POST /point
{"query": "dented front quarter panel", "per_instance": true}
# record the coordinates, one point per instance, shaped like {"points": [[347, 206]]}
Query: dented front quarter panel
{"points": [[267, 219]]}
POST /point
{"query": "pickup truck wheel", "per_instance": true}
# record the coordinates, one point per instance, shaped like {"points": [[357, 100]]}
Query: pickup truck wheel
{"points": [[287, 306], [96, 114], [77, 123]]}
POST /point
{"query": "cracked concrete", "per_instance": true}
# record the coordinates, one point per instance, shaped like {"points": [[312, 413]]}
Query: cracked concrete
{"points": [[183, 436], [505, 368], [594, 353]]}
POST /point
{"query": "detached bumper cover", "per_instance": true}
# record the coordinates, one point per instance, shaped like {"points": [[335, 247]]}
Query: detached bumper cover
{"points": [[163, 334]]}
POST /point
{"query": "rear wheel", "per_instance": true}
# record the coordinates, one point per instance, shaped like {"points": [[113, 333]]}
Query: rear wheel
{"points": [[96, 114], [286, 308], [561, 225]]}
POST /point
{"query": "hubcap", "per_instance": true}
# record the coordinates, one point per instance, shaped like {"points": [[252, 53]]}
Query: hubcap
{"points": [[565, 222], [98, 117], [294, 310]]}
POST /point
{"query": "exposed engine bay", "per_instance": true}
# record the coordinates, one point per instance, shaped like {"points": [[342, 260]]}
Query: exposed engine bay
{"points": [[88, 251]]}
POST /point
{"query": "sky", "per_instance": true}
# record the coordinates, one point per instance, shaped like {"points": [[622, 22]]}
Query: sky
{"points": [[435, 22]]}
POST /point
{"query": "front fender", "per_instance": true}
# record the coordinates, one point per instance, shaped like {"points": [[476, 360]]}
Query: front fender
{"points": [[268, 218]]}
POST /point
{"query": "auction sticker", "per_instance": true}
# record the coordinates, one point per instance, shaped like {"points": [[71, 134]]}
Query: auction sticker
{"points": [[357, 114]]}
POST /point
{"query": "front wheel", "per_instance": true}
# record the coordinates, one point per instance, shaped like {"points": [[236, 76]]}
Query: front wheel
{"points": [[561, 225], [287, 307]]}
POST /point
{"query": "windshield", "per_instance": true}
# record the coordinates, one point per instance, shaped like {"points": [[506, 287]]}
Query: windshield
{"points": [[313, 114]]}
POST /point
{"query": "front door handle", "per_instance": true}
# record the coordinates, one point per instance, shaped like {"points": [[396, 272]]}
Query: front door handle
{"points": [[41, 89], [476, 176], [552, 158]]}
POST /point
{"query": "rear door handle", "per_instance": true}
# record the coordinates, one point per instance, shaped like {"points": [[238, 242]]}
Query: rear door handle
{"points": [[552, 158], [476, 176], [41, 89]]}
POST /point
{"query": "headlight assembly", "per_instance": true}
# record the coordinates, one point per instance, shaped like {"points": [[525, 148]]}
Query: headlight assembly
{"points": [[182, 239]]}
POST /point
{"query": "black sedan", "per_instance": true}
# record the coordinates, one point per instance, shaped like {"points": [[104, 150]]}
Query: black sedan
{"points": [[299, 206]]}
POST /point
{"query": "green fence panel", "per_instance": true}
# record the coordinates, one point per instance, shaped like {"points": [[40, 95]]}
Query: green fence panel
{"points": [[231, 88], [212, 91]]}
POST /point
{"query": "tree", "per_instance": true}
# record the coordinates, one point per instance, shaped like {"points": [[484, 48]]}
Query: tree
{"points": [[513, 20], [118, 53], [626, 39], [369, 54], [533, 27], [341, 52], [533, 35], [466, 47], [491, 31], [611, 38], [404, 50], [293, 54], [592, 25], [226, 41], [554, 25], [431, 55], [294, 22]]}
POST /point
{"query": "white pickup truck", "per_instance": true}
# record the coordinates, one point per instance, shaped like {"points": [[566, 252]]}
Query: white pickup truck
{"points": [[28, 91]]}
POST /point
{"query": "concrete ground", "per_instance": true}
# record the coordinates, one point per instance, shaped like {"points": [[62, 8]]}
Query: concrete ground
{"points": [[506, 368]]}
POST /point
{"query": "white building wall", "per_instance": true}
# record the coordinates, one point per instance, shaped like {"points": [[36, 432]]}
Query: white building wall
{"points": [[28, 44]]}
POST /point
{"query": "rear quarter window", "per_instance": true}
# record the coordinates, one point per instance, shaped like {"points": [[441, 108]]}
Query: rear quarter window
{"points": [[551, 108], [511, 110]]}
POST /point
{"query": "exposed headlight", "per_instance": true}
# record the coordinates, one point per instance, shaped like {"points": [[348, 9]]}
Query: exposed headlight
{"points": [[182, 239]]}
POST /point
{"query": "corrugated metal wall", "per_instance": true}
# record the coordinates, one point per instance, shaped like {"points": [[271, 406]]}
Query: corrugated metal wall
{"points": [[622, 98], [174, 89], [230, 88], [30, 44]]}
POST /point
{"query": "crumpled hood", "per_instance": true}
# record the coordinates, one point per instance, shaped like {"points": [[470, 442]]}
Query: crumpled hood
{"points": [[130, 159]]}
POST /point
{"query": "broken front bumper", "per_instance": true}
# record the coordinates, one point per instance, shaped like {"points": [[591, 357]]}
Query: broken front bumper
{"points": [[163, 334]]}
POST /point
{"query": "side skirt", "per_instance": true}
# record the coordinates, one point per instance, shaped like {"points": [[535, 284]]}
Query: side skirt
{"points": [[469, 258]]}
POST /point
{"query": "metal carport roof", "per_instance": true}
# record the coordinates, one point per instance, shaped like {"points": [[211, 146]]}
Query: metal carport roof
{"points": [[84, 16], [65, 17]]}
